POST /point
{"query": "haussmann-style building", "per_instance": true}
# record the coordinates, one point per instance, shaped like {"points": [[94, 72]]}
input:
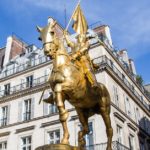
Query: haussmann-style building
{"points": [[26, 125]]}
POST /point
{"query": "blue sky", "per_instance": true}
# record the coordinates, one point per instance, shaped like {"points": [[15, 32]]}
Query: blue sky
{"points": [[129, 21]]}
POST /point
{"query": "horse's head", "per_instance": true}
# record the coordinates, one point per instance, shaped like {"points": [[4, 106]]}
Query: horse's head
{"points": [[49, 39]]}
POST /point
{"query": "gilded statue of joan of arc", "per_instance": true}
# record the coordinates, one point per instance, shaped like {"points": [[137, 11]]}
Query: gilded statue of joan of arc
{"points": [[80, 48]]}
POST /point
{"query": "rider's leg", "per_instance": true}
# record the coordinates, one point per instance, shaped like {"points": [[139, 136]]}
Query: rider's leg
{"points": [[89, 72]]}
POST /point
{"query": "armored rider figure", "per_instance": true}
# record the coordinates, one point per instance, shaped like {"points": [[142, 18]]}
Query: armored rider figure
{"points": [[81, 57]]}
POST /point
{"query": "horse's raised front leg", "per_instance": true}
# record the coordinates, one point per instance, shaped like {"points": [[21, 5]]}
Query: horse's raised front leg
{"points": [[105, 112], [63, 114], [83, 118]]}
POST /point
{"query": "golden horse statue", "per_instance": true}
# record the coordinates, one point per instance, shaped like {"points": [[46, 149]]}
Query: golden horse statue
{"points": [[69, 83]]}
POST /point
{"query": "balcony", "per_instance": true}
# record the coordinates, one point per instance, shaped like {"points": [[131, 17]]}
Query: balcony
{"points": [[115, 146], [103, 60], [24, 86], [31, 63]]}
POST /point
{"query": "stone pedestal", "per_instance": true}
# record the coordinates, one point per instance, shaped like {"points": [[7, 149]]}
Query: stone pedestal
{"points": [[57, 147]]}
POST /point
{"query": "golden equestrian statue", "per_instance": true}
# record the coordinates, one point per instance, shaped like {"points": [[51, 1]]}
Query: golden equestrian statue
{"points": [[72, 79]]}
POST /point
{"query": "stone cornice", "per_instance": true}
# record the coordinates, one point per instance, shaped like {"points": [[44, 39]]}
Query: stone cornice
{"points": [[106, 68], [74, 117], [120, 117], [134, 124], [119, 63], [50, 123], [32, 120], [25, 129], [25, 92], [4, 134], [132, 127], [32, 68]]}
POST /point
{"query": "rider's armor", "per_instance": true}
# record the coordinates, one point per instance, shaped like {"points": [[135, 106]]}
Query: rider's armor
{"points": [[82, 58]]}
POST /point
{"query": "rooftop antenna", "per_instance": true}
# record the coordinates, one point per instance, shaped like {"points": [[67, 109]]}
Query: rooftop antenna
{"points": [[65, 15]]}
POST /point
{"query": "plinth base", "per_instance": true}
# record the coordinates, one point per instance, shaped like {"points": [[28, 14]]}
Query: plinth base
{"points": [[57, 147]]}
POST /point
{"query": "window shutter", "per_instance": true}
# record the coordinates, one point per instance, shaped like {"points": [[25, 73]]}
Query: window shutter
{"points": [[8, 114], [32, 108], [20, 111], [22, 83], [45, 105], [0, 116], [113, 93], [45, 108]]}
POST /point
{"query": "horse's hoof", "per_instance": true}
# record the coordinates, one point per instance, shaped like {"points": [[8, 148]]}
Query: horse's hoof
{"points": [[82, 142], [109, 148]]}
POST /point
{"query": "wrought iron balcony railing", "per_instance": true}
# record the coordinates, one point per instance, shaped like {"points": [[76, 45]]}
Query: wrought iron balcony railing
{"points": [[24, 86], [104, 60], [31, 63], [100, 60], [115, 146]]}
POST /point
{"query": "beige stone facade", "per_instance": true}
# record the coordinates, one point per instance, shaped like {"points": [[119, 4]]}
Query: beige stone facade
{"points": [[25, 124]]}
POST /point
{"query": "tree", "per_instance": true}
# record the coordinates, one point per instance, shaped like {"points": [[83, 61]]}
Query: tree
{"points": [[139, 80]]}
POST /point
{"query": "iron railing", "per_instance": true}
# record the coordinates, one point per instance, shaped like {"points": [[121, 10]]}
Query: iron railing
{"points": [[115, 146], [104, 60], [100, 60], [27, 65], [24, 86]]}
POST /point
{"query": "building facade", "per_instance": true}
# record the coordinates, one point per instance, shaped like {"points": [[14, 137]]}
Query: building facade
{"points": [[25, 125]]}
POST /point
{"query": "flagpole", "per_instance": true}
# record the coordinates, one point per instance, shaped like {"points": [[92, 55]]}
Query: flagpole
{"points": [[73, 14]]}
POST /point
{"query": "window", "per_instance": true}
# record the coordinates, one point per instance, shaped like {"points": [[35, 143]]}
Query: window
{"points": [[52, 109], [142, 147], [116, 96], [29, 49], [49, 108], [7, 89], [119, 134], [131, 142], [29, 81], [54, 137], [4, 115], [2, 61], [89, 139], [26, 143], [27, 110], [3, 145], [128, 107]]}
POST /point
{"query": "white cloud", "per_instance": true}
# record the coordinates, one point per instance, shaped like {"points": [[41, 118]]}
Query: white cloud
{"points": [[129, 19]]}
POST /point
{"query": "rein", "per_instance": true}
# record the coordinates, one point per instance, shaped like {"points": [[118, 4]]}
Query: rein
{"points": [[56, 51]]}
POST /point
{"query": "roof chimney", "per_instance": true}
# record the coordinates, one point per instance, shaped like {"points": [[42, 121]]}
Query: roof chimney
{"points": [[132, 66], [8, 50], [104, 34]]}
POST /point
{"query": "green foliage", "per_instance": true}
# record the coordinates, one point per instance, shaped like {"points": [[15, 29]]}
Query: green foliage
{"points": [[139, 80]]}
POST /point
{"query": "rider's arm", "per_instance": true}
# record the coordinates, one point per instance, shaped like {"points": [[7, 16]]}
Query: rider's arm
{"points": [[81, 51], [68, 41], [84, 48]]}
